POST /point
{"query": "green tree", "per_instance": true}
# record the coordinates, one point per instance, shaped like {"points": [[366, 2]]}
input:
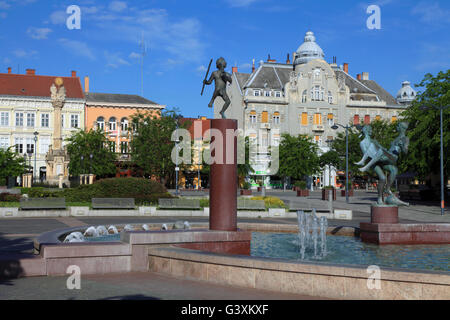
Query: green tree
{"points": [[298, 156], [152, 145], [11, 164], [424, 126], [244, 169], [83, 144]]}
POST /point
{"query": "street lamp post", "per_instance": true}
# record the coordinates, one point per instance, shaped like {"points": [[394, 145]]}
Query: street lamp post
{"points": [[441, 109], [35, 146], [335, 127]]}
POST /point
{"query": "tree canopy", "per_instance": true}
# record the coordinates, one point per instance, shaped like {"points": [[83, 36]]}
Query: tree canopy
{"points": [[81, 145], [11, 164], [298, 156], [424, 126]]}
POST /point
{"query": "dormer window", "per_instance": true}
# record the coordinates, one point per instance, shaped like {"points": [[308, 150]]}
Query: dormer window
{"points": [[268, 93], [257, 93], [278, 94]]}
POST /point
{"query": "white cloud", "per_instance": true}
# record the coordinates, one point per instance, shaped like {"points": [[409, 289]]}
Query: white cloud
{"points": [[134, 55], [240, 3], [58, 17], [38, 33], [115, 60], [4, 5], [21, 53], [201, 69], [117, 6], [77, 48], [431, 12]]}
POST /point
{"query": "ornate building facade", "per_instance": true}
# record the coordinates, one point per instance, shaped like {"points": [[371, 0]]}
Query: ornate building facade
{"points": [[307, 97]]}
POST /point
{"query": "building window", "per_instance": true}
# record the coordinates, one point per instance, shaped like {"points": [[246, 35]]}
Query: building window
{"points": [[124, 124], [268, 93], [278, 94], [4, 119], [317, 93], [45, 120], [62, 121], [30, 145], [112, 124], [44, 144], [378, 118], [317, 118], [265, 117], [112, 146], [74, 121], [304, 118], [394, 118], [253, 117], [101, 123], [367, 119], [330, 119], [304, 96], [257, 93], [30, 119], [19, 119], [356, 119], [18, 142], [4, 143], [330, 97], [316, 74], [124, 147], [318, 140], [276, 118]]}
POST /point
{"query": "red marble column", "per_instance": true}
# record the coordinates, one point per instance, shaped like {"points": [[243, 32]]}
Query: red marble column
{"points": [[223, 177]]}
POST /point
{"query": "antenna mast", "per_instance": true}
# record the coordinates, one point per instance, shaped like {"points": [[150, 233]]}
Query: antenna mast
{"points": [[143, 47]]}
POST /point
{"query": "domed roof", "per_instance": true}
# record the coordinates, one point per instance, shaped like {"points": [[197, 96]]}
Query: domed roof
{"points": [[309, 50], [406, 94]]}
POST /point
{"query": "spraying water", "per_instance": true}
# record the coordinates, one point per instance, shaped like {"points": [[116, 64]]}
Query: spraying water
{"points": [[311, 230]]}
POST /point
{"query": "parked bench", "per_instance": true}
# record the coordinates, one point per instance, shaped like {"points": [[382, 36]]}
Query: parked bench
{"points": [[43, 203], [248, 204], [113, 203], [193, 204]]}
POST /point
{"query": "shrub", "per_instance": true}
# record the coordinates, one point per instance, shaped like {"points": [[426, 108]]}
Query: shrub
{"points": [[144, 191], [301, 184], [271, 202], [7, 197], [246, 185], [43, 193], [204, 202]]}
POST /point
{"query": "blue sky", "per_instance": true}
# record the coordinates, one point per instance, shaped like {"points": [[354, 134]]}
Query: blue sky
{"points": [[182, 36]]}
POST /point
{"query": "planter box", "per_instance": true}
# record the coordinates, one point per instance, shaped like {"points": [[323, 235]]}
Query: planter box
{"points": [[326, 192], [79, 211], [246, 192], [350, 193], [259, 189], [9, 212], [276, 212], [147, 210], [302, 193], [343, 214]]}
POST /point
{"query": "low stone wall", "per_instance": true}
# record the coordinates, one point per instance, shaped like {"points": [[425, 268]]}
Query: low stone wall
{"points": [[313, 279]]}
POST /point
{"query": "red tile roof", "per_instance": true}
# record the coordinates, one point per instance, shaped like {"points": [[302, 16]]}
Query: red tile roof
{"points": [[37, 86]]}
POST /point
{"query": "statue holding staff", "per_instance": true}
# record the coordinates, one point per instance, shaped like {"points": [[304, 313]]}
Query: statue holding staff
{"points": [[220, 77]]}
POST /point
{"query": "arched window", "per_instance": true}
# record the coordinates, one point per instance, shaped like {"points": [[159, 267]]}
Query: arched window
{"points": [[265, 117], [316, 74], [124, 124], [317, 93], [101, 123], [276, 117], [112, 124], [253, 116]]}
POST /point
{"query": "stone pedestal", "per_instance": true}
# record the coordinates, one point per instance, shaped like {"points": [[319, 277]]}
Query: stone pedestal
{"points": [[223, 178], [383, 214]]}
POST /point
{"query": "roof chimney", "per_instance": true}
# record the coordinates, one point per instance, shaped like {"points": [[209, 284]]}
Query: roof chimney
{"points": [[86, 84], [31, 72], [234, 69], [288, 61], [253, 66], [74, 74], [345, 67], [9, 69], [358, 76], [269, 59], [365, 76]]}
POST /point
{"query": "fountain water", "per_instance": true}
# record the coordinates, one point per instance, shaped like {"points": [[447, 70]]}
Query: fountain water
{"points": [[310, 231]]}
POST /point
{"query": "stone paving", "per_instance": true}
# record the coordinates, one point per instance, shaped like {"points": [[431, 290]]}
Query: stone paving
{"points": [[17, 235]]}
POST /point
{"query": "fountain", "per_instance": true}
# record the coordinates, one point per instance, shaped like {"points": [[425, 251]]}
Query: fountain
{"points": [[311, 230]]}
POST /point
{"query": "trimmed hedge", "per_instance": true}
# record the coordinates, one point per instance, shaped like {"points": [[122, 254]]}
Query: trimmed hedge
{"points": [[8, 197]]}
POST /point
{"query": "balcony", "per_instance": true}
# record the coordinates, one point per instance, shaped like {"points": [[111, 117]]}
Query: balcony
{"points": [[318, 127]]}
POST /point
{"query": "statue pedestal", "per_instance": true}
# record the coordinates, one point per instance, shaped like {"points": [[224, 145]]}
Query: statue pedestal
{"points": [[383, 214], [384, 228], [223, 178]]}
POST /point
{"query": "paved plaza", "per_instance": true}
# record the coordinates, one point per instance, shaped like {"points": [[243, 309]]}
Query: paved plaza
{"points": [[16, 237]]}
